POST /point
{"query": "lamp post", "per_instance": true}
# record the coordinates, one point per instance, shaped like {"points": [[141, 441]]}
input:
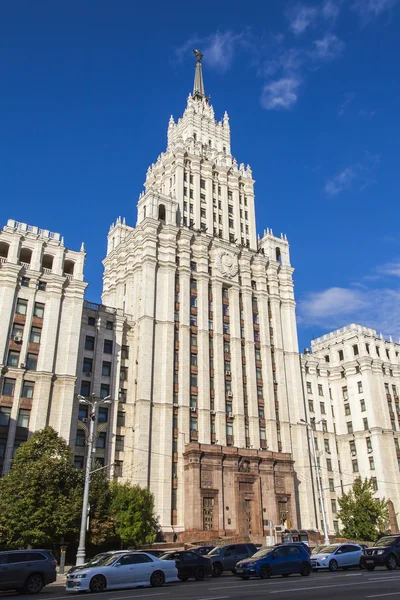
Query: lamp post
{"points": [[80, 555], [318, 473]]}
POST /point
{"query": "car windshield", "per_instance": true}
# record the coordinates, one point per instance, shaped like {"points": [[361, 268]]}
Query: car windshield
{"points": [[385, 541], [262, 552], [328, 550], [217, 550], [167, 556], [98, 560], [317, 550], [108, 560]]}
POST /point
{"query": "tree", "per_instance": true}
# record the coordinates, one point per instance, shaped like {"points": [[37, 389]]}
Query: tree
{"points": [[133, 512], [101, 522], [41, 496], [362, 515]]}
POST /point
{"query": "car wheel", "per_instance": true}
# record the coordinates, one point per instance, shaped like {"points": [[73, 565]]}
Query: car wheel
{"points": [[34, 584], [265, 572], [217, 570], [200, 574], [305, 569], [244, 577], [98, 584], [370, 567], [157, 579], [333, 566], [391, 562]]}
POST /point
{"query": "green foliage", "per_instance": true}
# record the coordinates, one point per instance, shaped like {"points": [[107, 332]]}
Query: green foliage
{"points": [[362, 515], [40, 498], [133, 511], [101, 522]]}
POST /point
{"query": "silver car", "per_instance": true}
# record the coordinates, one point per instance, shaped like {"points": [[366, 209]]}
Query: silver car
{"points": [[337, 556]]}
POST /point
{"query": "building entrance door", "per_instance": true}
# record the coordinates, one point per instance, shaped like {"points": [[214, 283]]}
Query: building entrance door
{"points": [[248, 507]]}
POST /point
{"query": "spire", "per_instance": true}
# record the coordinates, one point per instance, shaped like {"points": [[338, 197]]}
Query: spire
{"points": [[198, 87]]}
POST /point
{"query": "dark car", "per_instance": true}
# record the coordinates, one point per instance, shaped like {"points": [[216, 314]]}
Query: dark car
{"points": [[190, 564], [302, 544], [97, 560], [27, 570], [156, 553], [224, 558], [386, 552], [283, 559], [203, 550]]}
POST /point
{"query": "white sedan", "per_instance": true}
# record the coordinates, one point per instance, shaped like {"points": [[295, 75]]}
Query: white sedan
{"points": [[337, 556], [123, 571]]}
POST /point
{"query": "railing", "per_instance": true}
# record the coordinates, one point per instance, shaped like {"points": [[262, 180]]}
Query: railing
{"points": [[69, 276], [25, 265], [2, 260], [47, 271], [107, 309]]}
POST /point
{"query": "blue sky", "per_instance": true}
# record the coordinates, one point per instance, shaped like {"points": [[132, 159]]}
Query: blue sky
{"points": [[312, 90]]}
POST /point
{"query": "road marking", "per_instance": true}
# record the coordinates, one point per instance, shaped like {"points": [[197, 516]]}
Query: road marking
{"points": [[382, 595], [213, 598], [141, 596], [384, 578], [319, 587]]}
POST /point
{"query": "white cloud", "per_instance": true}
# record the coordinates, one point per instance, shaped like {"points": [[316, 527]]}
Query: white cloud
{"points": [[280, 94], [368, 114], [340, 182], [219, 48], [302, 17], [348, 99], [327, 48], [330, 10], [391, 269], [368, 9]]}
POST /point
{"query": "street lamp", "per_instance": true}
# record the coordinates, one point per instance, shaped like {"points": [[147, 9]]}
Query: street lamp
{"points": [[80, 555], [318, 472]]}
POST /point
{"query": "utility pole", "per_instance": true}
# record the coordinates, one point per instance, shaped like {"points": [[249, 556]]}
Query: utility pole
{"points": [[318, 473], [81, 554]]}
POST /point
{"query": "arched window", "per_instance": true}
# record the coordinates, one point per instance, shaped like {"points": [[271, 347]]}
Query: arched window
{"points": [[69, 267], [4, 248], [161, 212], [144, 211], [278, 255], [47, 262], [25, 256]]}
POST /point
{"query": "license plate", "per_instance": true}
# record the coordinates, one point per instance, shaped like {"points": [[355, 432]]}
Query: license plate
{"points": [[370, 562], [239, 570]]}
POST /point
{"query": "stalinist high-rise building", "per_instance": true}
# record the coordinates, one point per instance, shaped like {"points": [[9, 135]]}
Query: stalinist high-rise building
{"points": [[213, 387]]}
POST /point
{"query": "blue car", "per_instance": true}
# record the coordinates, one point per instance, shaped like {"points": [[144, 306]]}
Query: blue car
{"points": [[282, 560]]}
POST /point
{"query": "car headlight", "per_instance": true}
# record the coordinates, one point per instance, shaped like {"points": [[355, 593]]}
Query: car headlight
{"points": [[250, 564], [81, 576], [324, 558], [380, 552]]}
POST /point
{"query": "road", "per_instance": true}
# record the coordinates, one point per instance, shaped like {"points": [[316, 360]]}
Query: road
{"points": [[352, 585]]}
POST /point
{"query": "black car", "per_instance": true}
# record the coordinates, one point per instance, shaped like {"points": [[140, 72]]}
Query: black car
{"points": [[27, 570], [224, 558], [203, 550], [386, 553], [190, 564]]}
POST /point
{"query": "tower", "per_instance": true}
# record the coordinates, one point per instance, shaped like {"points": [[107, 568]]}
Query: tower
{"points": [[214, 386]]}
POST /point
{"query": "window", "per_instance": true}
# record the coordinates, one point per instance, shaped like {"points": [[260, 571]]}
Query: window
{"points": [[125, 352], [320, 390], [193, 320], [102, 417], [119, 443], [38, 310], [106, 369], [193, 380], [360, 387], [263, 433], [309, 388], [333, 505], [367, 347], [35, 336], [80, 438], [341, 355], [89, 342], [374, 483], [202, 184], [349, 427], [17, 332], [326, 445], [25, 282], [13, 359], [22, 306], [258, 373], [108, 346], [322, 408], [27, 389], [121, 418], [193, 423], [365, 423], [101, 439], [5, 415], [345, 393], [87, 365], [311, 406], [109, 325], [122, 395], [229, 429], [230, 222], [329, 464], [355, 349], [193, 284], [347, 410], [193, 340], [104, 390], [396, 444], [327, 359], [42, 286], [193, 360], [193, 402], [91, 321], [371, 463], [362, 405], [355, 466], [331, 485], [85, 388], [261, 414], [23, 418]]}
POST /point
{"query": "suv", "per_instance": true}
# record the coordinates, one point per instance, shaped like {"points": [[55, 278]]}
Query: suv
{"points": [[27, 570], [386, 552], [224, 558]]}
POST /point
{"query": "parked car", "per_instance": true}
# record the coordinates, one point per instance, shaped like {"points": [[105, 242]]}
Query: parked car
{"points": [[224, 558], [190, 564], [130, 569], [203, 550], [96, 560], [386, 552], [337, 556], [317, 549], [302, 544], [283, 559], [27, 570], [156, 553]]}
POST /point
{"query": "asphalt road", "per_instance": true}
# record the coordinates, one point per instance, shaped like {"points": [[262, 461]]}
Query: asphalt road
{"points": [[352, 585]]}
